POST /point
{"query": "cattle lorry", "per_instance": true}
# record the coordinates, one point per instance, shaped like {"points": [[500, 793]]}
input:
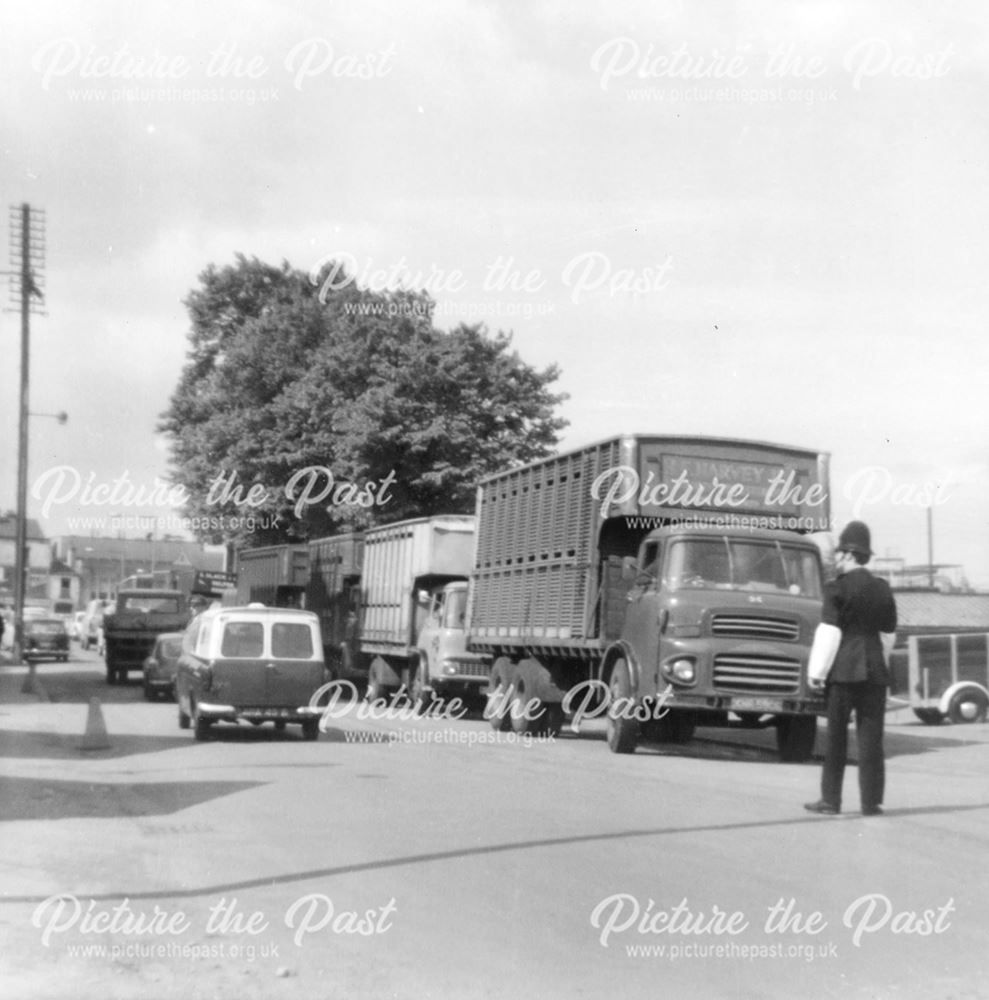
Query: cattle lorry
{"points": [[667, 580]]}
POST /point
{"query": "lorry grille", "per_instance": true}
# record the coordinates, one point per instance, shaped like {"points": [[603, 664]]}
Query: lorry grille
{"points": [[755, 627], [760, 674]]}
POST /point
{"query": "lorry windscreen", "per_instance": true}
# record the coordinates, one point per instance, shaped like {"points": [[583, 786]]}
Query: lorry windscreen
{"points": [[455, 611], [729, 564]]}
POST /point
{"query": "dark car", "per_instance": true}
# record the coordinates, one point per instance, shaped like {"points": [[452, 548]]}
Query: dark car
{"points": [[161, 666], [45, 638]]}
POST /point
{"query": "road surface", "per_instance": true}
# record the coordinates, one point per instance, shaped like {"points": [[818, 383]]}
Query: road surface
{"points": [[419, 858]]}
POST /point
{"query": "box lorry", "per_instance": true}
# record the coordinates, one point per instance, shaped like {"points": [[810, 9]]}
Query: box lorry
{"points": [[412, 630], [659, 581], [333, 592], [274, 575]]}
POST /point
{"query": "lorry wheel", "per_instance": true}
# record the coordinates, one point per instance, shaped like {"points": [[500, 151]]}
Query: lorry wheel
{"points": [[552, 720], [422, 694], [623, 734], [929, 716], [498, 696], [795, 737], [968, 705], [527, 711]]}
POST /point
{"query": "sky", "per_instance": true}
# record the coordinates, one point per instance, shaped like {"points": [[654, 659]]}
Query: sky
{"points": [[755, 220]]}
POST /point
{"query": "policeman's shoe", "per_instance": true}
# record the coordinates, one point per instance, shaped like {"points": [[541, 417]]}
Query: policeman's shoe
{"points": [[822, 807], [872, 810]]}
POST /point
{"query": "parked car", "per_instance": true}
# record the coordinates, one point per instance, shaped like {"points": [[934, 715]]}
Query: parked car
{"points": [[45, 638], [161, 666], [253, 663]]}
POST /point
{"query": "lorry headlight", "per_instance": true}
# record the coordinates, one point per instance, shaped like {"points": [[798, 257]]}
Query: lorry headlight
{"points": [[681, 669]]}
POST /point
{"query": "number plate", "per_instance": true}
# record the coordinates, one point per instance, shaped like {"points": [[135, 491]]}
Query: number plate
{"points": [[269, 713], [754, 705]]}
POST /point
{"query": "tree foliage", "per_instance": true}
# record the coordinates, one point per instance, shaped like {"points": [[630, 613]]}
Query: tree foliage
{"points": [[391, 417]]}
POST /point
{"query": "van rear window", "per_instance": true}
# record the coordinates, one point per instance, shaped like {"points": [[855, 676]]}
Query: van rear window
{"points": [[291, 642], [243, 639]]}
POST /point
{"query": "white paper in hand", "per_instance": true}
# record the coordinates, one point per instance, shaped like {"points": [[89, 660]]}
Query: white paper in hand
{"points": [[827, 639]]}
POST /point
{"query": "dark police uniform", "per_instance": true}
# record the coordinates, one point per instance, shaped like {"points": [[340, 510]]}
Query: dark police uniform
{"points": [[862, 606]]}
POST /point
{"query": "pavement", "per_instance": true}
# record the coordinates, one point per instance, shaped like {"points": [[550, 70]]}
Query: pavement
{"points": [[13, 687]]}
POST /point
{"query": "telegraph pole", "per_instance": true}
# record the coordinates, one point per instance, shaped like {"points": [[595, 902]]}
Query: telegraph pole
{"points": [[27, 257]]}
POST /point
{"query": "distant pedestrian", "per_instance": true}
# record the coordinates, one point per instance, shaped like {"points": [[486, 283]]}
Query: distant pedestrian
{"points": [[862, 607]]}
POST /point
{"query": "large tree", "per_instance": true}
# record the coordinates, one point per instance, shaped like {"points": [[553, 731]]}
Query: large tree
{"points": [[341, 407]]}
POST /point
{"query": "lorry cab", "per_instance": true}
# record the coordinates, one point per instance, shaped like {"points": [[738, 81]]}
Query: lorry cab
{"points": [[718, 622], [445, 665]]}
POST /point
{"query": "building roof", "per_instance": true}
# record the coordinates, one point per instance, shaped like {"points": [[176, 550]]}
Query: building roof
{"points": [[925, 609]]}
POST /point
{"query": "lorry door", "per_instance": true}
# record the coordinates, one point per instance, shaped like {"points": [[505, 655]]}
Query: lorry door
{"points": [[430, 635], [643, 607]]}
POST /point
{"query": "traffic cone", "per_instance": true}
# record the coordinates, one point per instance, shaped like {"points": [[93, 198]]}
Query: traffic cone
{"points": [[95, 737]]}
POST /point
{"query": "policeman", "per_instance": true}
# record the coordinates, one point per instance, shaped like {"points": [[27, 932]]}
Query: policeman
{"points": [[861, 606]]}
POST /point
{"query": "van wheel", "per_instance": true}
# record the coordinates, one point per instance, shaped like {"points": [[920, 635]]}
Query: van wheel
{"points": [[623, 734], [795, 737]]}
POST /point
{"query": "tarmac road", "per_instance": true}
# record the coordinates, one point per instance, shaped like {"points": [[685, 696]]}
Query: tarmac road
{"points": [[434, 865]]}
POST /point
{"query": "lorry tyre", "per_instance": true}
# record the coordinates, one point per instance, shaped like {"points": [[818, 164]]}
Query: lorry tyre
{"points": [[968, 705], [422, 694], [376, 689], [552, 720], [623, 734], [795, 737], [929, 716], [527, 709], [498, 695]]}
